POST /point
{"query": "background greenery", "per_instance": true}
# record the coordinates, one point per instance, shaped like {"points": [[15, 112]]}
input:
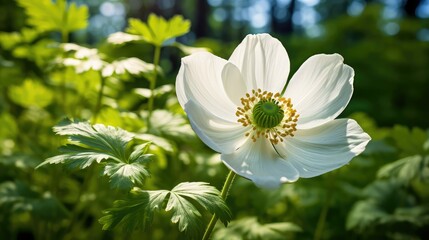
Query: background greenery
{"points": [[382, 194]]}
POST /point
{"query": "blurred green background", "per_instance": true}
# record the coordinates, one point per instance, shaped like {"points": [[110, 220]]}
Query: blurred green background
{"points": [[383, 194], [385, 41]]}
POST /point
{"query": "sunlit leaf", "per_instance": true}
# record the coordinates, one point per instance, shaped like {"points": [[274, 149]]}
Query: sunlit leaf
{"points": [[166, 124], [184, 201], [9, 126], [98, 143], [31, 94], [249, 228], [126, 175], [133, 66], [157, 30], [10, 40], [163, 143], [121, 38], [204, 194], [157, 92], [125, 119], [81, 58], [46, 15], [188, 50]]}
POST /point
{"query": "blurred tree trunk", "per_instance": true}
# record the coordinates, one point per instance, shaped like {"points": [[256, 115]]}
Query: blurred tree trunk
{"points": [[201, 19], [284, 25], [410, 7]]}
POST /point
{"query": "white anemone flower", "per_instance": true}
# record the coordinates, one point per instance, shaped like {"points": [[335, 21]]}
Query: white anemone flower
{"points": [[238, 108]]}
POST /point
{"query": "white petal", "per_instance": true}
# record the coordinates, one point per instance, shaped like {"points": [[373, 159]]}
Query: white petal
{"points": [[259, 162], [233, 83], [320, 89], [263, 62], [324, 148], [219, 134], [200, 79]]}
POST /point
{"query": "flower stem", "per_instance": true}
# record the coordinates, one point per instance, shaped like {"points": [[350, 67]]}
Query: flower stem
{"points": [[223, 194], [64, 39], [99, 98], [325, 209], [156, 57]]}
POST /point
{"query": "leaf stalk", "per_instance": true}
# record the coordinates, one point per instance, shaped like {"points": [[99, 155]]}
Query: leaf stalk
{"points": [[156, 57], [224, 194]]}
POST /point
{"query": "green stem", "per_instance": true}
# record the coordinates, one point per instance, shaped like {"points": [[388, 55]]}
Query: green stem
{"points": [[75, 211], [223, 194], [156, 57], [324, 212], [64, 39], [99, 98]]}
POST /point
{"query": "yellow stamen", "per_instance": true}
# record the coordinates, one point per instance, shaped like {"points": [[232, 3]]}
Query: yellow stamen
{"points": [[287, 125]]}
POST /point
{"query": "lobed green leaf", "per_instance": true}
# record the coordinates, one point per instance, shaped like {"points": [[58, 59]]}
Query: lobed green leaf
{"points": [[249, 228], [88, 144], [184, 201], [405, 169], [46, 15], [158, 30]]}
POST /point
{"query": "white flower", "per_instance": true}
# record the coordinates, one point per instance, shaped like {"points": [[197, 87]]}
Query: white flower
{"points": [[237, 108]]}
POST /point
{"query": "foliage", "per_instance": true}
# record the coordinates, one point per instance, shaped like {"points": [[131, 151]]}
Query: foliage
{"points": [[19, 197], [401, 180], [137, 211], [45, 15], [250, 228], [100, 170], [94, 144], [157, 30]]}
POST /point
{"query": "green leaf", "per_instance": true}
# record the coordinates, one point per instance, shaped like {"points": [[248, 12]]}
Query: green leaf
{"points": [[104, 139], [205, 195], [169, 125], [9, 40], [20, 161], [184, 201], [405, 169], [134, 213], [31, 94], [46, 15], [161, 142], [127, 175], [378, 209], [364, 214], [157, 30], [410, 142], [19, 197], [249, 228], [77, 157], [88, 144], [9, 127]]}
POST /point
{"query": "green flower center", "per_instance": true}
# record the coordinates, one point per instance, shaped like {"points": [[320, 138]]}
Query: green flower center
{"points": [[267, 113]]}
